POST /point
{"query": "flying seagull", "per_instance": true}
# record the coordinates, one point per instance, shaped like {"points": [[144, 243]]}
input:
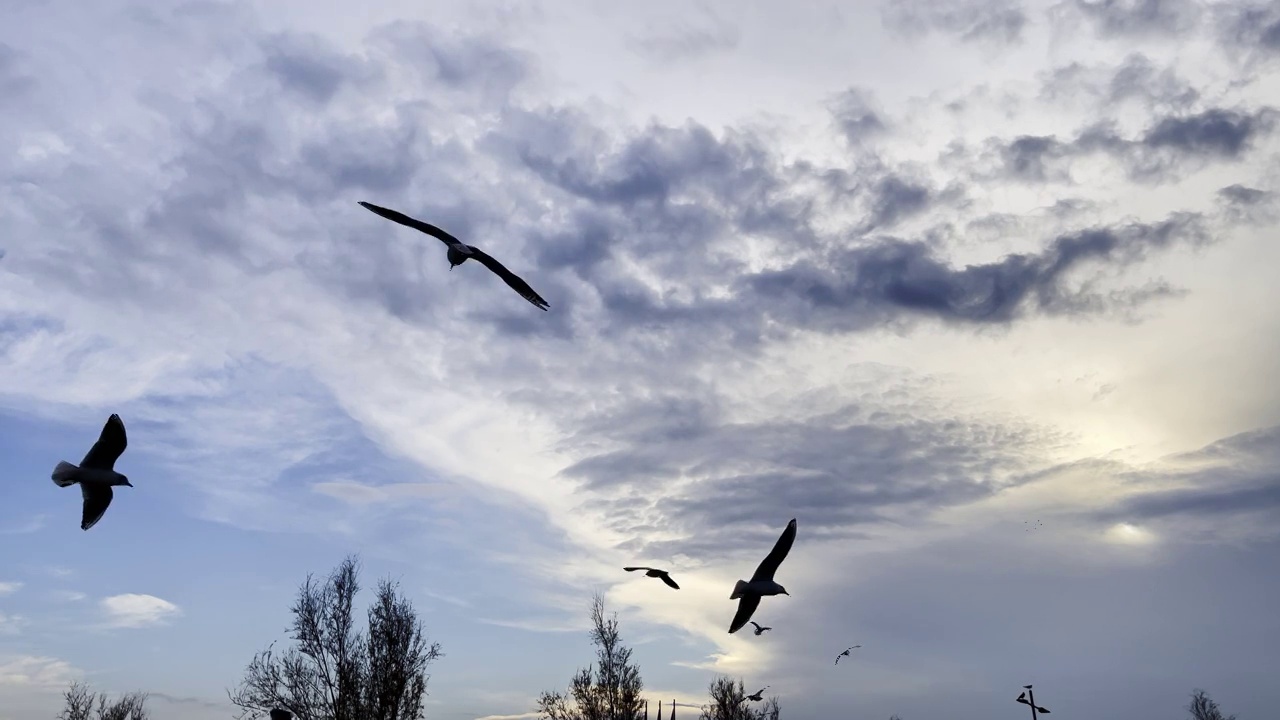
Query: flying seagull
{"points": [[655, 572], [278, 714], [96, 473], [760, 630], [459, 252], [846, 653], [758, 695], [748, 594]]}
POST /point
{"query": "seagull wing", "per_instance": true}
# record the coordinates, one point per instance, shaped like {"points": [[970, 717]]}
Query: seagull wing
{"points": [[633, 569], [667, 579], [110, 444], [747, 605], [1042, 710], [753, 622], [515, 281], [96, 500], [418, 225], [770, 564]]}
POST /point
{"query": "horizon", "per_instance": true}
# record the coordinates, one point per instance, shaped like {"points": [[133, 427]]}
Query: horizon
{"points": [[979, 292]]}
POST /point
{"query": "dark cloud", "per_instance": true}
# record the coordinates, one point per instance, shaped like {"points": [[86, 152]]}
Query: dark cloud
{"points": [[1136, 18], [305, 64], [1135, 78], [1249, 26], [1159, 154], [1248, 205], [1233, 477], [854, 466], [856, 115], [999, 21]]}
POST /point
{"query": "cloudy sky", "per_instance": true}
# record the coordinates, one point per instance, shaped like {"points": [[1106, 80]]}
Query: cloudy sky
{"points": [[921, 275]]}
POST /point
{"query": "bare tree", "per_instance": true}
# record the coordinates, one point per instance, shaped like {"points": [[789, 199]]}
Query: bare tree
{"points": [[610, 691], [80, 701], [335, 672], [729, 702], [1203, 707]]}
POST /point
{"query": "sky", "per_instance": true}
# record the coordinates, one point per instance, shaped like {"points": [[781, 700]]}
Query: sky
{"points": [[981, 293]]}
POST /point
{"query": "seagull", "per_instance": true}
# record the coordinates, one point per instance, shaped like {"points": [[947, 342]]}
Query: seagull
{"points": [[278, 714], [846, 653], [459, 252], [96, 473], [655, 572], [748, 594], [758, 695], [760, 630]]}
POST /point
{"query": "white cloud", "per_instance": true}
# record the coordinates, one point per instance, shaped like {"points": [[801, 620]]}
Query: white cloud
{"points": [[11, 624], [68, 595], [37, 672], [9, 588], [132, 610]]}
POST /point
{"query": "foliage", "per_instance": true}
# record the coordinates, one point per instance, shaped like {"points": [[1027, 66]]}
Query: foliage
{"points": [[336, 672], [80, 705], [729, 702], [611, 690], [1203, 707]]}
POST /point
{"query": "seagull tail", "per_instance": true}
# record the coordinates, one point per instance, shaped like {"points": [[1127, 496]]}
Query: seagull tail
{"points": [[738, 589], [64, 473]]}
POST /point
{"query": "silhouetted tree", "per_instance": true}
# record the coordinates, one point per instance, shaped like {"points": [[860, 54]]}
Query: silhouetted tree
{"points": [[80, 705], [1203, 707], [729, 702], [336, 672], [611, 691]]}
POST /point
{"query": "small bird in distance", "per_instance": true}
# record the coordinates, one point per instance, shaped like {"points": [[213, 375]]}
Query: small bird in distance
{"points": [[655, 572], [460, 252], [758, 695], [760, 630], [846, 653], [748, 594], [96, 473]]}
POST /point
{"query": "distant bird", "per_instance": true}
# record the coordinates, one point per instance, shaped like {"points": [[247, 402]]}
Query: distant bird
{"points": [[748, 594], [278, 714], [846, 653], [655, 572], [459, 252], [760, 630], [758, 695], [96, 473]]}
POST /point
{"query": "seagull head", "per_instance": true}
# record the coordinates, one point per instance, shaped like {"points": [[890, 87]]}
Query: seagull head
{"points": [[123, 481], [783, 591]]}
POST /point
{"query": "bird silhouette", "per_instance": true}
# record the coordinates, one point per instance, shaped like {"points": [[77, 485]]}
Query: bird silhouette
{"points": [[846, 653], [278, 714], [655, 572], [758, 695], [748, 594], [760, 630], [460, 252], [96, 473]]}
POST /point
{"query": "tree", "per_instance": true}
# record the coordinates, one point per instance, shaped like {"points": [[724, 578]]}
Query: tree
{"points": [[80, 705], [611, 691], [1203, 707], [729, 702], [336, 672]]}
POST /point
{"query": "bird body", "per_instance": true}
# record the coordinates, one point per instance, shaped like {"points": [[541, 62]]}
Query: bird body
{"points": [[846, 653], [655, 572], [758, 695], [459, 252], [96, 473], [748, 594]]}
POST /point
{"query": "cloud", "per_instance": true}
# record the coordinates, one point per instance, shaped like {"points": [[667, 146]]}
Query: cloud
{"points": [[32, 671], [132, 610], [12, 624], [998, 21], [33, 524], [1136, 78], [1133, 18], [8, 588], [685, 41], [69, 595]]}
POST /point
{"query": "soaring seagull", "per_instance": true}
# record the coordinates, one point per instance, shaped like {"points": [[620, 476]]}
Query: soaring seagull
{"points": [[846, 653], [760, 630], [748, 594], [96, 473], [758, 695], [459, 252], [655, 572], [278, 714]]}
